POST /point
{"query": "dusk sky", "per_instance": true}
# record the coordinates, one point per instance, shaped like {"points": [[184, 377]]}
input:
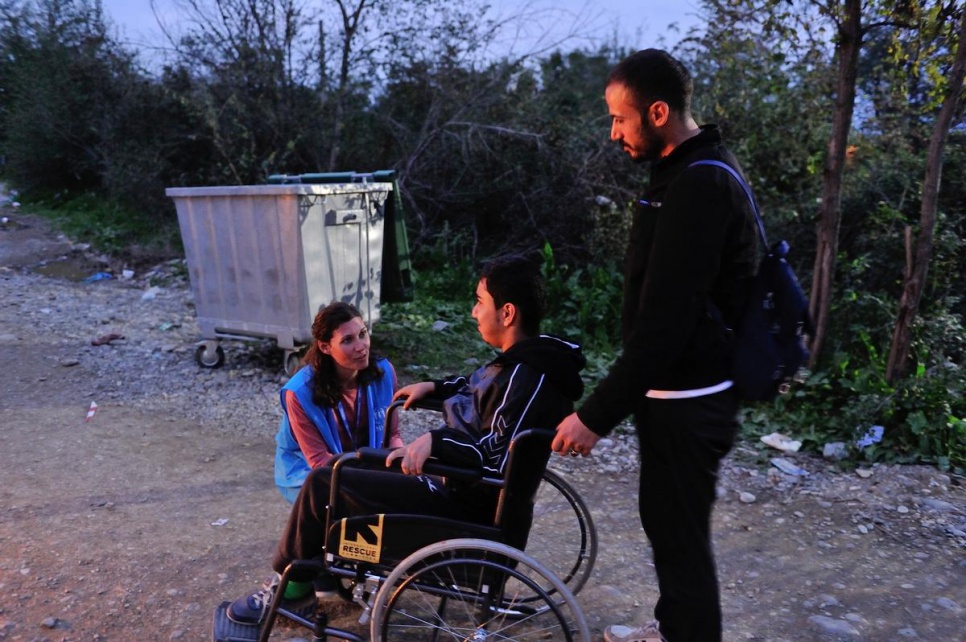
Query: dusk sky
{"points": [[637, 23]]}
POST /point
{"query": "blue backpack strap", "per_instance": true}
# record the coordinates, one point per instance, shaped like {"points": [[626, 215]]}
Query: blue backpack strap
{"points": [[731, 170]]}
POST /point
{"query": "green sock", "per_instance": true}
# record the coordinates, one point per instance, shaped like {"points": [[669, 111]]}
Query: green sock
{"points": [[295, 590]]}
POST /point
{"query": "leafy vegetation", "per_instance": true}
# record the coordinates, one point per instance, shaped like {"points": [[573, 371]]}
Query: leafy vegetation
{"points": [[424, 335], [498, 150], [109, 226], [922, 416], [584, 302]]}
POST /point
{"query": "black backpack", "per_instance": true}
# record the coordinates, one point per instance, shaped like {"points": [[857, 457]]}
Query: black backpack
{"points": [[769, 346]]}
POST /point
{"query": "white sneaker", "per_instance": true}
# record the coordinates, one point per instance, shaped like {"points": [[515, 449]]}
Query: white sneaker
{"points": [[619, 633]]}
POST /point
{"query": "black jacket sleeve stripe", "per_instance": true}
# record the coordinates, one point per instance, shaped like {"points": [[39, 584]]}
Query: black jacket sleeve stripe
{"points": [[496, 442]]}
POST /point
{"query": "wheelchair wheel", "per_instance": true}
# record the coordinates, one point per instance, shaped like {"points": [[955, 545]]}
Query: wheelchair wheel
{"points": [[468, 590], [563, 536]]}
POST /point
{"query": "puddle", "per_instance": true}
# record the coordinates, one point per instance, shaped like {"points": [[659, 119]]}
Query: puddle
{"points": [[70, 268]]}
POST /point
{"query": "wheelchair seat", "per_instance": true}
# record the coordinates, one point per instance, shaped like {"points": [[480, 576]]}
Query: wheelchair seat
{"points": [[383, 540]]}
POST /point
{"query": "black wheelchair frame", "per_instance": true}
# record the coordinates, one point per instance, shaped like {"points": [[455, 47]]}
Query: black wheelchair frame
{"points": [[562, 535], [427, 577]]}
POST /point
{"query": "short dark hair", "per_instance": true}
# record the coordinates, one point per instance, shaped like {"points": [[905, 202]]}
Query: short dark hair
{"points": [[653, 74], [517, 280]]}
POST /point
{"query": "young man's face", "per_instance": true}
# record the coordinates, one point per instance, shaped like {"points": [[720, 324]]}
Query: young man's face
{"points": [[634, 132], [489, 320]]}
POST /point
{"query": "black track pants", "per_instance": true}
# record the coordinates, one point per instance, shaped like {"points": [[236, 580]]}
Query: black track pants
{"points": [[682, 442]]}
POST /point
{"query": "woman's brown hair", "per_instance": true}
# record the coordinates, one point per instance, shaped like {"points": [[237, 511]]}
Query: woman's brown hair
{"points": [[326, 389]]}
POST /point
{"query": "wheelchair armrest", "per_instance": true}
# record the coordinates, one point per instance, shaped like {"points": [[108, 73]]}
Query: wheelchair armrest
{"points": [[426, 403], [431, 467], [420, 404]]}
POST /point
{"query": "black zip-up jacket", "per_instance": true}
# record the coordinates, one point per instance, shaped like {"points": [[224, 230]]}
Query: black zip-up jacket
{"points": [[534, 384], [693, 243]]}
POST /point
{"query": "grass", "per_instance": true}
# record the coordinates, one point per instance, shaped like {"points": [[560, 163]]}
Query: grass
{"points": [[110, 227]]}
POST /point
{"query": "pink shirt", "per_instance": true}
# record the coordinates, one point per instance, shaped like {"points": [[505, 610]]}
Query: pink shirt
{"points": [[310, 440]]}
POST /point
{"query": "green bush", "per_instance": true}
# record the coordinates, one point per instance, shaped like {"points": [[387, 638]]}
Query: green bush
{"points": [[583, 303], [109, 226], [927, 417], [411, 332], [923, 415]]}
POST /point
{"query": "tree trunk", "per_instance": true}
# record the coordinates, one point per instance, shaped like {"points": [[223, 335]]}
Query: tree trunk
{"points": [[350, 24], [848, 45], [915, 277]]}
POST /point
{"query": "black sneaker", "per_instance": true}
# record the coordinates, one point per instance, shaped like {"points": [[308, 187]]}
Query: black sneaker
{"points": [[252, 609]]}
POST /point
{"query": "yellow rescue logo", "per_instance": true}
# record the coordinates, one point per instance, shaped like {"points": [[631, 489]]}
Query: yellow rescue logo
{"points": [[361, 539]]}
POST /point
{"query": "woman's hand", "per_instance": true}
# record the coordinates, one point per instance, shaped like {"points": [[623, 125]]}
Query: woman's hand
{"points": [[414, 391]]}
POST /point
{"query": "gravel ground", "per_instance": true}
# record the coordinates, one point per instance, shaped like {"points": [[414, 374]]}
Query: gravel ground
{"points": [[870, 554]]}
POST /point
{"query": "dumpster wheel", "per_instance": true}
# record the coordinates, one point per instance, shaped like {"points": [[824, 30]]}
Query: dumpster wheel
{"points": [[293, 361], [209, 354]]}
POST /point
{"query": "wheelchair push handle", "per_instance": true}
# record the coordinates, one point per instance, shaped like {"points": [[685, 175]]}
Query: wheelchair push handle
{"points": [[419, 404], [431, 467]]}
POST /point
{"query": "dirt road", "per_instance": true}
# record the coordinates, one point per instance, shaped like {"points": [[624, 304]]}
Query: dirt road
{"points": [[136, 523]]}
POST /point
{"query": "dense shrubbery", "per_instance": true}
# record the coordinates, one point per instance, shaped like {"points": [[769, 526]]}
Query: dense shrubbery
{"points": [[505, 152]]}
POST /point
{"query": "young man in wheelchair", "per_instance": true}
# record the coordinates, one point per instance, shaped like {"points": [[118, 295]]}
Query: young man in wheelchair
{"points": [[533, 382]]}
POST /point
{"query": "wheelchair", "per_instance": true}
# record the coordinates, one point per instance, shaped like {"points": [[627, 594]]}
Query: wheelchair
{"points": [[420, 577], [563, 536]]}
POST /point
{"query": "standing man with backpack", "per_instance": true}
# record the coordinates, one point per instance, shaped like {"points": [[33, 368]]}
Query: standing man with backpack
{"points": [[690, 261]]}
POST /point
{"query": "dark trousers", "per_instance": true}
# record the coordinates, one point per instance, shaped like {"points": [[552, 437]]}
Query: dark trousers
{"points": [[362, 491], [682, 442]]}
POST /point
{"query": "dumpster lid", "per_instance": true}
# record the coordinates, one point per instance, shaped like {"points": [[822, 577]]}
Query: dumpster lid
{"points": [[306, 189], [379, 176]]}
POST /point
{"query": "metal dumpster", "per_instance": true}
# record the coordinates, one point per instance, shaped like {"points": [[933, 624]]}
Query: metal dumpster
{"points": [[397, 276], [263, 258]]}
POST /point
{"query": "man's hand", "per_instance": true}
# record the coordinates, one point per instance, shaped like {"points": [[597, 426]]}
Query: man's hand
{"points": [[414, 391], [573, 437], [414, 455]]}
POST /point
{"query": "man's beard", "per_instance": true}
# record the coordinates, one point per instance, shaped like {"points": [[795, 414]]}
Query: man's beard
{"points": [[653, 142]]}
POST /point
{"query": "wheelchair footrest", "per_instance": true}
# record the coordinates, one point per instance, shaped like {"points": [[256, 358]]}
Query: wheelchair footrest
{"points": [[224, 630]]}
